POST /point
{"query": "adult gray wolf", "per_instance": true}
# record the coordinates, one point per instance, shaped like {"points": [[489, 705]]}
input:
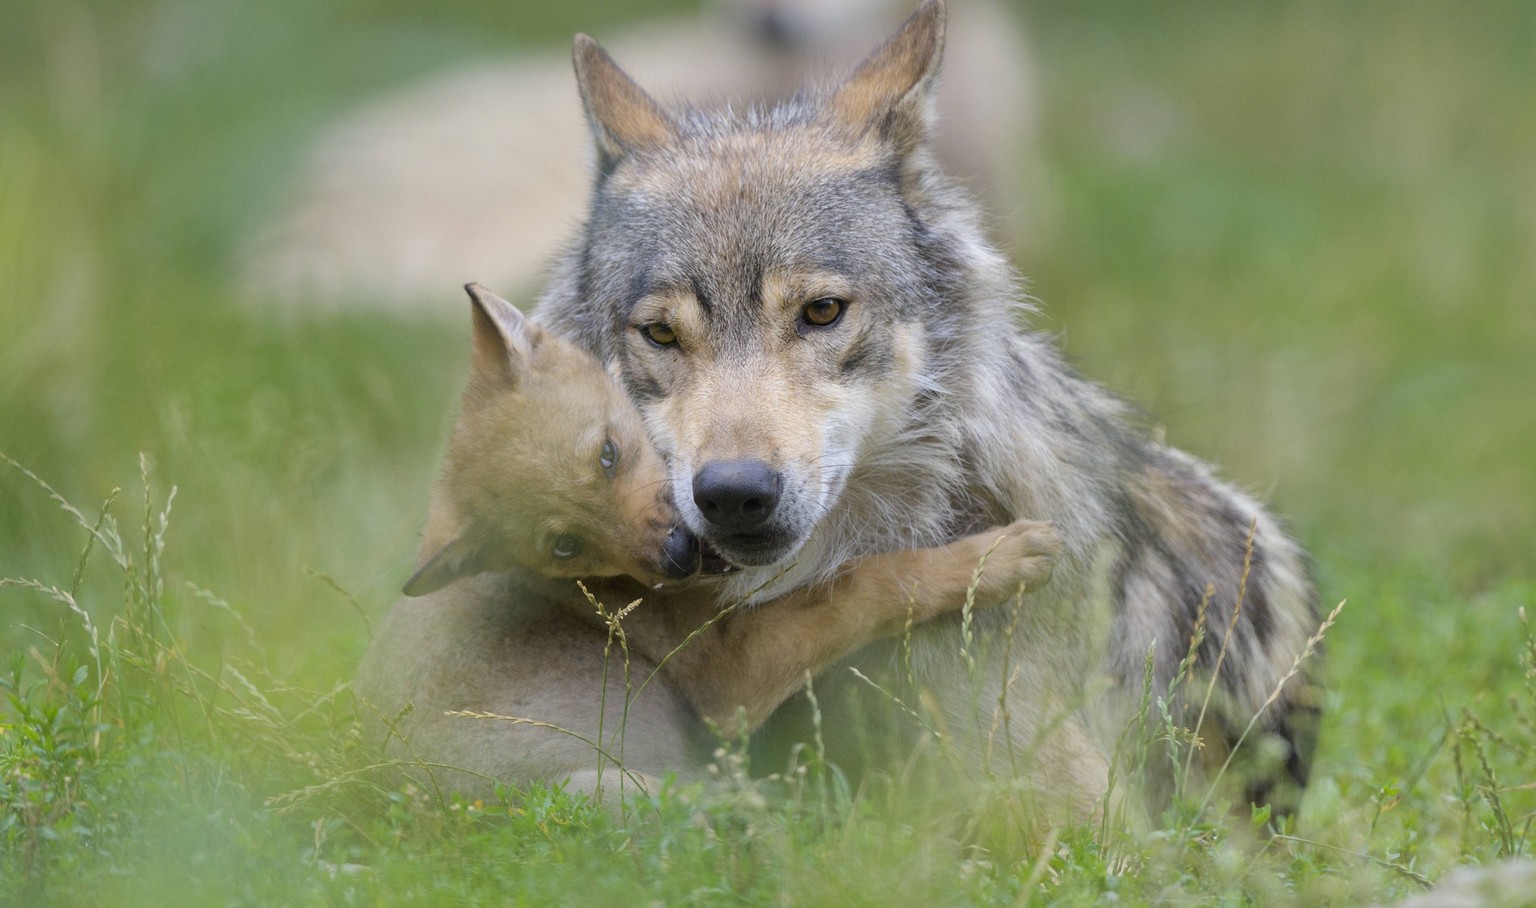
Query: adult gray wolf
{"points": [[829, 352], [549, 477]]}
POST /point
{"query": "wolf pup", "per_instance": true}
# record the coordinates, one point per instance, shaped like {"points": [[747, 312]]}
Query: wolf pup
{"points": [[549, 476], [810, 319]]}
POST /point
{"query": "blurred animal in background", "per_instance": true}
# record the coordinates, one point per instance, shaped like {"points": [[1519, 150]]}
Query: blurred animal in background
{"points": [[484, 170]]}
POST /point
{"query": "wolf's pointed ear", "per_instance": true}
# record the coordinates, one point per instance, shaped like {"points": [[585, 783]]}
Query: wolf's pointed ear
{"points": [[623, 117], [448, 552], [889, 91], [504, 338]]}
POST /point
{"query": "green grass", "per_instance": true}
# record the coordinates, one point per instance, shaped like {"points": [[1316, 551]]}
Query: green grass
{"points": [[1300, 234]]}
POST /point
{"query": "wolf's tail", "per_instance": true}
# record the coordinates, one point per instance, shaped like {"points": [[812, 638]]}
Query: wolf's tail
{"points": [[1200, 561]]}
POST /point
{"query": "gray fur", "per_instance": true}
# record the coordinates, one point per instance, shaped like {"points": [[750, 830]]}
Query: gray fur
{"points": [[996, 425]]}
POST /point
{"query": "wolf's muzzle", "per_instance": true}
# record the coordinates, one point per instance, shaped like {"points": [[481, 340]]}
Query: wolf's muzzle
{"points": [[736, 496]]}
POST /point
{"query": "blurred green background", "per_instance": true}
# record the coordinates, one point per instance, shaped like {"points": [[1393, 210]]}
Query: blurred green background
{"points": [[1302, 234]]}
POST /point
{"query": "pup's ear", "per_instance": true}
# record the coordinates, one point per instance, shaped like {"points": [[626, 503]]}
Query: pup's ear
{"points": [[449, 551], [889, 91], [504, 338], [459, 558], [623, 117]]}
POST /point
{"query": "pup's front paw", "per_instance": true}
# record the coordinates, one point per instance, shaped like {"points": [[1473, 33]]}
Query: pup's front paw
{"points": [[1023, 552]]}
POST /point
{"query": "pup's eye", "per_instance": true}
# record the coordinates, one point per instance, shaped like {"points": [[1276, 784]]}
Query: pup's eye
{"points": [[566, 546], [823, 313], [608, 456], [659, 334]]}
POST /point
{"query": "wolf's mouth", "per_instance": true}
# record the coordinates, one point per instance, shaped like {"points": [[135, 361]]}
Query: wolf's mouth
{"points": [[713, 561], [750, 549]]}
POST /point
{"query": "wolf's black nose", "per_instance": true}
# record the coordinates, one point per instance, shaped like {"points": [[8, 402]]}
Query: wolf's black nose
{"points": [[680, 554], [736, 495]]}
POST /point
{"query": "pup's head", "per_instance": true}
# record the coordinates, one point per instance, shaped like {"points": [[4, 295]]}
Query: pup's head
{"points": [[762, 281], [548, 470]]}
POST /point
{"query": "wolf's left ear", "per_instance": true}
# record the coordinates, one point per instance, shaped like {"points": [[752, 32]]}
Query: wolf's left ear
{"points": [[624, 118], [889, 91]]}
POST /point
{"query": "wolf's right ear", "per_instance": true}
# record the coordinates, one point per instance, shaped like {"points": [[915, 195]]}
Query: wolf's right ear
{"points": [[503, 338], [889, 90], [623, 117]]}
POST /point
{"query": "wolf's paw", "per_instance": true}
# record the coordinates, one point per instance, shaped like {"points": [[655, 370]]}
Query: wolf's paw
{"points": [[1023, 552]]}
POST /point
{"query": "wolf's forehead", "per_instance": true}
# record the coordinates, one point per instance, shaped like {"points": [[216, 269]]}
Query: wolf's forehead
{"points": [[713, 221], [765, 174], [759, 146]]}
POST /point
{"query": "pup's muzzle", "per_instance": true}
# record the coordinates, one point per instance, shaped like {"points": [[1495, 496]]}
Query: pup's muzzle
{"points": [[680, 554]]}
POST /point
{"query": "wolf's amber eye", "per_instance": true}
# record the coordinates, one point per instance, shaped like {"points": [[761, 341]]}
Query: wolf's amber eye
{"points": [[566, 546], [659, 334], [823, 312], [608, 457]]}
